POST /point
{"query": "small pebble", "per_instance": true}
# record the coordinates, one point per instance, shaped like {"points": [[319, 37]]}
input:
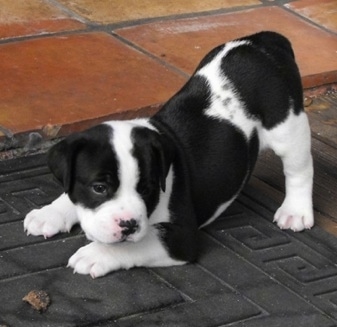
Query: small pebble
{"points": [[39, 300], [307, 102]]}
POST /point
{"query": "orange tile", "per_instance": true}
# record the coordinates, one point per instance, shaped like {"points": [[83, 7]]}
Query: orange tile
{"points": [[184, 42], [34, 17], [112, 11], [323, 12], [82, 77]]}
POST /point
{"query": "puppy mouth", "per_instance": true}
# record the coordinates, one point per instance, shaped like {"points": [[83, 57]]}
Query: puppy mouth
{"points": [[128, 238], [124, 239], [132, 238], [129, 231]]}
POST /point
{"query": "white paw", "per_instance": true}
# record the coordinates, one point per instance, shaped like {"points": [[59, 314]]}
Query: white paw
{"points": [[46, 221], [94, 259], [294, 217]]}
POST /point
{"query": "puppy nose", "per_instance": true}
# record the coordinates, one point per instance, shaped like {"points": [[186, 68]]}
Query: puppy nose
{"points": [[129, 226]]}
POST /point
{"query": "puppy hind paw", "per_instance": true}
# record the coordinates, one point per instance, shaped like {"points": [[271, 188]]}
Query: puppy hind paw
{"points": [[294, 220]]}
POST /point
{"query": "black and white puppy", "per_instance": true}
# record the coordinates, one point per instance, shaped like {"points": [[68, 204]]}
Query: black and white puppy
{"points": [[141, 188]]}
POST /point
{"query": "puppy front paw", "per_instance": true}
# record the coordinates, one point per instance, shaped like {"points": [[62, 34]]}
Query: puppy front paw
{"points": [[46, 221], [94, 259], [294, 216]]}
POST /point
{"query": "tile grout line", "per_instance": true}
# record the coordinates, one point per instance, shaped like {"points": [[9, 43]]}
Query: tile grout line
{"points": [[37, 272], [92, 26], [68, 11], [7, 132], [150, 55], [264, 312], [44, 242], [309, 21], [142, 21], [184, 296]]}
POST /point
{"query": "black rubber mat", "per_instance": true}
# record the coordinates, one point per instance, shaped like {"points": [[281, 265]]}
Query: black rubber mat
{"points": [[249, 272]]}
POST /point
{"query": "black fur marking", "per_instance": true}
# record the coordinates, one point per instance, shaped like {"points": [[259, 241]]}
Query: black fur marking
{"points": [[266, 77], [226, 102], [216, 154], [179, 236], [213, 158], [226, 87], [83, 161], [154, 158]]}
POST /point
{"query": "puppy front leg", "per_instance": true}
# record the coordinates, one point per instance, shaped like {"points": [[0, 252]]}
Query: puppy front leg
{"points": [[154, 250], [57, 217]]}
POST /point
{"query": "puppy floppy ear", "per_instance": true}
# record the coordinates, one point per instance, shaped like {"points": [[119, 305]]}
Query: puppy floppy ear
{"points": [[156, 151], [61, 161], [164, 151]]}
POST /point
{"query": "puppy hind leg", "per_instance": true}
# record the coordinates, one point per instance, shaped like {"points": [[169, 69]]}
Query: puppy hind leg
{"points": [[292, 142]]}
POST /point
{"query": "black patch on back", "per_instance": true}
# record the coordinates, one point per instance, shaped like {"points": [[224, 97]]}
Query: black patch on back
{"points": [[265, 77], [189, 102]]}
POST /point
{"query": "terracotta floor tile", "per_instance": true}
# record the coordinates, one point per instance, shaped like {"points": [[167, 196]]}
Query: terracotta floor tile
{"points": [[323, 12], [33, 17], [64, 80], [112, 11], [184, 42]]}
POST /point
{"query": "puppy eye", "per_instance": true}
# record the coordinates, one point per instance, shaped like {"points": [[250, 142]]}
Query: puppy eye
{"points": [[100, 189], [144, 191]]}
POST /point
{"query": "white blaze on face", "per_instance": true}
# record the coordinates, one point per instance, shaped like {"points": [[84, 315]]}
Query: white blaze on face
{"points": [[103, 223]]}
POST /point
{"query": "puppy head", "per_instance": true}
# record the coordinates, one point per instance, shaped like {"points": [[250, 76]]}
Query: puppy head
{"points": [[113, 173]]}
